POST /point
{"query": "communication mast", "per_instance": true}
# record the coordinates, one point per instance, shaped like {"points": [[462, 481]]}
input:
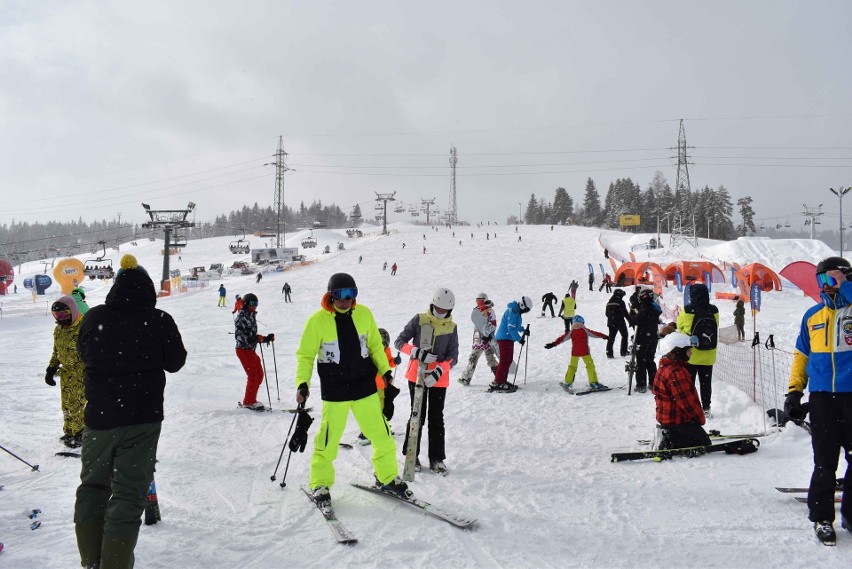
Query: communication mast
{"points": [[452, 214]]}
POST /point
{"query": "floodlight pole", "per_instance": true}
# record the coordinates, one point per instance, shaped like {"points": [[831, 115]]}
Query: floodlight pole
{"points": [[840, 192]]}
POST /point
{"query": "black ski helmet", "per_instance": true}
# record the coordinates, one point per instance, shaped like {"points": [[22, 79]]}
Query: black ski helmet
{"points": [[250, 300], [619, 293], [831, 264], [341, 280]]}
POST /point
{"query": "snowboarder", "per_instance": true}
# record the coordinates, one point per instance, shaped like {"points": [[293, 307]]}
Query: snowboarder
{"points": [[822, 363], [222, 293], [72, 389], [739, 319], [511, 330], [679, 411], [485, 325], [443, 355], [393, 269], [579, 335], [126, 346], [700, 318], [245, 327], [286, 290], [548, 301], [238, 304], [567, 310], [616, 318], [342, 337], [647, 322], [572, 289]]}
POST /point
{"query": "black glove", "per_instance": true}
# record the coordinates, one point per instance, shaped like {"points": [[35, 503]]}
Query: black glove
{"points": [[391, 392], [487, 339], [48, 376], [431, 378], [398, 359], [793, 406], [523, 340], [268, 339], [549, 345], [388, 377], [300, 435], [303, 391]]}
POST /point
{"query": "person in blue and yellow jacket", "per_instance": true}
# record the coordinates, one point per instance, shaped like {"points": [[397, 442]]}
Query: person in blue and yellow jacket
{"points": [[342, 337], [823, 363], [443, 355]]}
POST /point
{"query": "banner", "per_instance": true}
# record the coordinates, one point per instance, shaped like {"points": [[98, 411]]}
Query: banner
{"points": [[625, 220], [603, 272], [679, 281], [591, 270], [708, 281], [69, 274], [42, 283], [274, 254], [733, 277], [755, 298], [686, 291]]}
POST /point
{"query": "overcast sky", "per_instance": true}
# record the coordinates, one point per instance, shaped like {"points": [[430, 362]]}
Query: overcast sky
{"points": [[104, 104]]}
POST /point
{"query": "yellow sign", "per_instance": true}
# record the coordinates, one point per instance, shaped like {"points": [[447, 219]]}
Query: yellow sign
{"points": [[68, 274], [628, 220]]}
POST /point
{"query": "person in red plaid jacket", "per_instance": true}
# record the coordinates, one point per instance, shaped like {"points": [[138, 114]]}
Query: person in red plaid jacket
{"points": [[679, 410]]}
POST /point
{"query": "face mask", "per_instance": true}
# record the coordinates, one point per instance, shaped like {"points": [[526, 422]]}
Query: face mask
{"points": [[439, 315]]}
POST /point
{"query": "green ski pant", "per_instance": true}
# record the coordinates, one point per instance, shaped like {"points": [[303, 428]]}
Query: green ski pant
{"points": [[368, 414], [117, 470], [590, 369]]}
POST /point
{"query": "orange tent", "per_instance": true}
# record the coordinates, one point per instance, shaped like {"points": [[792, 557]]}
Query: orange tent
{"points": [[693, 271], [753, 273], [642, 273]]}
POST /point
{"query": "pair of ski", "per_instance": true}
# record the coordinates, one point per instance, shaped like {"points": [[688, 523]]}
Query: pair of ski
{"points": [[601, 389], [343, 535], [731, 447], [838, 488], [714, 435]]}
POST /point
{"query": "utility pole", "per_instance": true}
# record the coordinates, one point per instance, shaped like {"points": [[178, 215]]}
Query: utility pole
{"points": [[840, 192], [812, 214], [278, 202], [680, 232], [167, 220], [385, 198], [427, 204], [452, 214]]}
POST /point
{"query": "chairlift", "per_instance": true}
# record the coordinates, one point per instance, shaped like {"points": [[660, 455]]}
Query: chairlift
{"points": [[99, 267], [267, 233], [178, 240], [240, 246], [399, 209], [762, 226], [310, 241]]}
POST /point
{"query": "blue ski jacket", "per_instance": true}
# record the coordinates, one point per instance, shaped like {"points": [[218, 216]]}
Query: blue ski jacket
{"points": [[511, 325]]}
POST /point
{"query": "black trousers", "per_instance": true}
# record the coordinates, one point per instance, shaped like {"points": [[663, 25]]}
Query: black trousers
{"points": [[432, 408], [705, 379], [646, 367], [831, 430], [686, 435], [613, 330], [550, 306]]}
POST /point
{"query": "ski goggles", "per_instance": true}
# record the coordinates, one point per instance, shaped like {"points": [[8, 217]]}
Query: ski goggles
{"points": [[344, 293], [252, 303], [824, 279], [62, 314]]}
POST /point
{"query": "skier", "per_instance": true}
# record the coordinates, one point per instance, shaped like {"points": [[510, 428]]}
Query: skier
{"points": [[345, 342], [822, 363], [259, 277], [222, 293], [701, 319], [547, 302], [238, 304], [572, 289], [739, 319], [443, 355], [245, 327], [385, 266], [579, 335], [361, 257], [647, 322], [485, 325], [606, 283], [126, 346], [286, 290], [72, 389], [679, 411], [567, 310], [606, 253], [511, 330], [592, 282], [393, 269], [79, 296], [616, 318], [385, 388]]}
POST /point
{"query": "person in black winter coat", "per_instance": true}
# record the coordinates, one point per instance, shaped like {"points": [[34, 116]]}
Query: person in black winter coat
{"points": [[127, 345], [548, 301], [616, 321], [647, 322]]}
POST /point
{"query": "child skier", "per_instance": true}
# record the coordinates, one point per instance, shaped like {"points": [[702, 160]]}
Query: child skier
{"points": [[579, 350], [72, 389], [485, 324], [387, 391], [511, 330]]}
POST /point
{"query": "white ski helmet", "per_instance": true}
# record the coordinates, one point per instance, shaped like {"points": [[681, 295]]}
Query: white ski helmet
{"points": [[444, 299], [526, 303], [677, 340], [482, 296]]}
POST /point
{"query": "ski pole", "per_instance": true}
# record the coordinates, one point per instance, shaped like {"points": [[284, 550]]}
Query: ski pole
{"points": [[527, 357], [19, 458], [280, 456], [519, 360], [265, 375], [275, 363]]}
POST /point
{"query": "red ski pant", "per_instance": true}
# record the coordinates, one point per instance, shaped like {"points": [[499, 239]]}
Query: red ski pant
{"points": [[254, 371], [507, 352]]}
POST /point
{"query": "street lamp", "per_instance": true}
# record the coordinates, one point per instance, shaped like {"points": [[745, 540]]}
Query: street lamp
{"points": [[840, 192], [519, 212]]}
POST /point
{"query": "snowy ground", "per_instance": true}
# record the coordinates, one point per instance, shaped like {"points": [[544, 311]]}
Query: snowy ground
{"points": [[533, 467]]}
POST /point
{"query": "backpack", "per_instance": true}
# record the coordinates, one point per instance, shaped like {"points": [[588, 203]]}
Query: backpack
{"points": [[705, 328]]}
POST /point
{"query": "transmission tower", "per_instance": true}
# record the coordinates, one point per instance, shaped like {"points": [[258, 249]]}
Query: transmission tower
{"points": [[812, 215], [385, 198], [452, 214], [280, 168], [167, 220], [681, 229]]}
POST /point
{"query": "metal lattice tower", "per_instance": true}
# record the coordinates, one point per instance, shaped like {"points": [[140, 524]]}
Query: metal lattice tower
{"points": [[426, 205], [167, 220], [682, 231], [812, 215], [452, 214], [278, 205], [385, 198]]}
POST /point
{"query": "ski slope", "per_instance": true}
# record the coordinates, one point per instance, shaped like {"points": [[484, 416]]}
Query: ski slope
{"points": [[533, 466]]}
